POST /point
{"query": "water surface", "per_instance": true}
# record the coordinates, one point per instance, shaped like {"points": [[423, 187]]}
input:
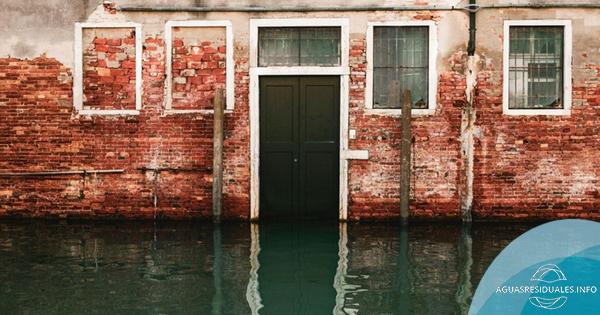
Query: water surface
{"points": [[240, 268]]}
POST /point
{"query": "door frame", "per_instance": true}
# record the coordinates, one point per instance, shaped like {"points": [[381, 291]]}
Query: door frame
{"points": [[343, 71]]}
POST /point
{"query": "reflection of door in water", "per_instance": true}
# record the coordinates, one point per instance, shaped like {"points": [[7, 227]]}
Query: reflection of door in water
{"points": [[298, 264], [299, 146]]}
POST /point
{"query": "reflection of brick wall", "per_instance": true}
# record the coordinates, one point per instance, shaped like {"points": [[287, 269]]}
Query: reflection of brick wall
{"points": [[109, 72], [198, 69]]}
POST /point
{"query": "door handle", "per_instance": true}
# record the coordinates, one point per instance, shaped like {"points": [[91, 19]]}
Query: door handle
{"points": [[295, 160]]}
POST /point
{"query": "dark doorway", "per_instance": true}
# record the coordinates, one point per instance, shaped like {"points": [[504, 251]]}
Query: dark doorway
{"points": [[299, 146]]}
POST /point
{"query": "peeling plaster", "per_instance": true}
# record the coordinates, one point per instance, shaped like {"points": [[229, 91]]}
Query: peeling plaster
{"points": [[468, 132]]}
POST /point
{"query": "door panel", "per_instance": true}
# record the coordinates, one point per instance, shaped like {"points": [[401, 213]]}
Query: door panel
{"points": [[299, 146], [279, 115], [319, 149], [321, 189], [279, 169], [318, 126]]}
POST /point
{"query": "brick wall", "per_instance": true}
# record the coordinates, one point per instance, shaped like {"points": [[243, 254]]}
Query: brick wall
{"points": [[537, 166], [167, 159], [524, 167], [374, 185], [109, 69], [198, 66]]}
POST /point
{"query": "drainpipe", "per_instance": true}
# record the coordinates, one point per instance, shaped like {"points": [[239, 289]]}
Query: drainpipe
{"points": [[472, 27]]}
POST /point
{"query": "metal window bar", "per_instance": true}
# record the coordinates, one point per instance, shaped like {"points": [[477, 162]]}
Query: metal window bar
{"points": [[299, 46], [536, 67], [401, 54]]}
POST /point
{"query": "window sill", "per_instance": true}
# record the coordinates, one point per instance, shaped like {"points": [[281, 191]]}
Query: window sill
{"points": [[537, 112], [295, 70], [108, 112], [398, 112], [193, 111]]}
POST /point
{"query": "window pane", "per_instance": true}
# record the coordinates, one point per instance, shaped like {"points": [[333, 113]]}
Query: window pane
{"points": [[299, 46], [278, 47], [535, 67], [400, 58], [320, 46]]}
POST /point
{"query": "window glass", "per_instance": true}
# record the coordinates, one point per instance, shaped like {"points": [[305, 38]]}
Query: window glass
{"points": [[400, 59], [299, 46], [535, 67]]}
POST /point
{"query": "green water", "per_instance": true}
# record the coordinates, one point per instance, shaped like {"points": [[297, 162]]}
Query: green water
{"points": [[240, 268]]}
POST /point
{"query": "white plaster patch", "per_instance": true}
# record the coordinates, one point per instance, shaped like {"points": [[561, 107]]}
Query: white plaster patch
{"points": [[544, 169], [60, 50], [576, 180], [584, 179]]}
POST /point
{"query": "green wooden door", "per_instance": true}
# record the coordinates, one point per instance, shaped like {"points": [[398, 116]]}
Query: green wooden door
{"points": [[299, 146]]}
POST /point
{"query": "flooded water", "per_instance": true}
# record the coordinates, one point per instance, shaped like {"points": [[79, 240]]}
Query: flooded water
{"points": [[242, 268]]}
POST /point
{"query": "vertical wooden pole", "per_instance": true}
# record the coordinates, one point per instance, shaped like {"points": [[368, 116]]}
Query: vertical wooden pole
{"points": [[217, 193], [405, 156]]}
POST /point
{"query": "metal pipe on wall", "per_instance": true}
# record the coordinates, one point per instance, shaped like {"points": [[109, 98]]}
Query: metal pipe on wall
{"points": [[58, 173], [262, 9], [472, 28]]}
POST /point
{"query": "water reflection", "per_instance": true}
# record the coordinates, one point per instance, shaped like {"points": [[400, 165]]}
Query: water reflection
{"points": [[267, 268]]}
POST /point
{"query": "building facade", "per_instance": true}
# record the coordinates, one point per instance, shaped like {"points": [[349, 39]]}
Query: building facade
{"points": [[106, 108]]}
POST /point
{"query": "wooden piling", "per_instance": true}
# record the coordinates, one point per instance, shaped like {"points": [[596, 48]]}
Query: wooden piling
{"points": [[405, 156], [217, 192]]}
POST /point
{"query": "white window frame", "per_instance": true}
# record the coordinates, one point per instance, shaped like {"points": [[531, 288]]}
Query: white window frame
{"points": [[229, 64], [342, 23], [433, 80], [343, 71], [78, 69], [567, 66]]}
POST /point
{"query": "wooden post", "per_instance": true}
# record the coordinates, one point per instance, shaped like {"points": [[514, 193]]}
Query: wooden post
{"points": [[405, 156], [217, 192]]}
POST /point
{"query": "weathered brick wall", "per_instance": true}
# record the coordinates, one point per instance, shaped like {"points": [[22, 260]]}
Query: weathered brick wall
{"points": [[109, 69], [534, 166], [198, 66], [39, 131], [537, 166], [374, 185]]}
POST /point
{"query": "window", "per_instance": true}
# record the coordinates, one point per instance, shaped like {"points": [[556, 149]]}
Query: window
{"points": [[299, 46], [107, 77], [199, 60], [400, 56], [536, 67]]}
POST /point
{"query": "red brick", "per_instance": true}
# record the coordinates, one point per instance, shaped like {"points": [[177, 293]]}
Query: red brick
{"points": [[515, 176]]}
